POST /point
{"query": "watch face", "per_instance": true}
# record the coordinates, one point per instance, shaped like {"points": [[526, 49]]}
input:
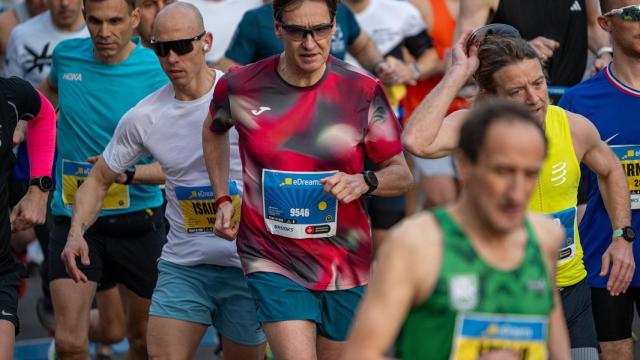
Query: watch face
{"points": [[46, 183], [371, 178], [629, 233]]}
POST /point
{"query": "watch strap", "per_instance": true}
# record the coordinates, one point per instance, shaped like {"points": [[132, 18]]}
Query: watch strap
{"points": [[130, 173], [618, 232]]}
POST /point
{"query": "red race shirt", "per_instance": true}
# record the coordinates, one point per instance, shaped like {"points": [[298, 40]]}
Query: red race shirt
{"points": [[330, 126]]}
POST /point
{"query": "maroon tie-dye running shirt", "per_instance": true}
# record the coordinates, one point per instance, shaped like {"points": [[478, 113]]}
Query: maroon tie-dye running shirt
{"points": [[331, 125]]}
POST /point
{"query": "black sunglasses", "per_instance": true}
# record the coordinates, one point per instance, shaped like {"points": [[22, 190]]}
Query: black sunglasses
{"points": [[180, 47], [300, 33], [479, 35]]}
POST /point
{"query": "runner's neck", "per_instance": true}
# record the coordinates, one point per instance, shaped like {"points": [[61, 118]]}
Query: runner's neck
{"points": [[75, 27], [626, 69], [296, 78], [197, 88]]}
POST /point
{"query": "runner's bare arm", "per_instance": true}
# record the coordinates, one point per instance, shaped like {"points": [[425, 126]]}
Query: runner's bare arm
{"points": [[366, 52], [216, 150], [550, 237], [401, 280], [394, 178], [86, 208], [598, 38], [8, 20], [224, 64], [49, 91], [429, 132], [473, 14], [149, 174], [615, 195]]}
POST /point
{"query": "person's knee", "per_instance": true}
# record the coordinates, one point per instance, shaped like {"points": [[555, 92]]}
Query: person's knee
{"points": [[137, 337], [69, 345], [112, 334]]}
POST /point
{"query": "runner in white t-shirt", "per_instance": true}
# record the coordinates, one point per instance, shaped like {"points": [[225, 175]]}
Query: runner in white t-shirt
{"points": [[32, 42], [200, 282]]}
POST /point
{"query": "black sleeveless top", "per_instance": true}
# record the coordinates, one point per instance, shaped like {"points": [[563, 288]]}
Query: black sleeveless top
{"points": [[564, 21]]}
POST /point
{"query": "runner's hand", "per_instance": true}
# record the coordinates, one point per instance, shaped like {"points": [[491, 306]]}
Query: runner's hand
{"points": [[601, 62], [544, 47], [30, 211], [467, 64], [386, 73], [345, 187], [620, 254], [404, 74], [76, 246], [225, 227]]}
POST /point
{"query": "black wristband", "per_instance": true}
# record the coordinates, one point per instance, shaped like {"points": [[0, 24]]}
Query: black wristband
{"points": [[130, 173]]}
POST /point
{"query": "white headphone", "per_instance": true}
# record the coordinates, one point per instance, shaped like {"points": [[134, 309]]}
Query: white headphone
{"points": [[205, 47]]}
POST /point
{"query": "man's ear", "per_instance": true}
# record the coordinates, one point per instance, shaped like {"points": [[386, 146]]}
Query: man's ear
{"points": [[605, 23], [135, 18]]}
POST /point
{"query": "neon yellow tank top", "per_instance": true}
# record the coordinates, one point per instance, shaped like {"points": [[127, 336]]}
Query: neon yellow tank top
{"points": [[556, 194]]}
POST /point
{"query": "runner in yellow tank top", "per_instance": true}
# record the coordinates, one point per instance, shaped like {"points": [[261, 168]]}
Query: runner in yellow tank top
{"points": [[556, 194], [505, 65]]}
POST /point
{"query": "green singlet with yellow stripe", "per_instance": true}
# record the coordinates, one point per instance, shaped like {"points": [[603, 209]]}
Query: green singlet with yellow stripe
{"points": [[475, 308], [557, 192]]}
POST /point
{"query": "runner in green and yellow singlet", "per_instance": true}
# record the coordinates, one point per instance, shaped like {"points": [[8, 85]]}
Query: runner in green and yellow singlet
{"points": [[487, 289], [506, 66]]}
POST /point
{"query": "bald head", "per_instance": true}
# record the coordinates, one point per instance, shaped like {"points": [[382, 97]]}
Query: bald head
{"points": [[179, 14]]}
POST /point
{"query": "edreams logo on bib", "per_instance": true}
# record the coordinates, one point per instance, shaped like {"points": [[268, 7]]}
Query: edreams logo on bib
{"points": [[508, 331], [72, 76], [200, 194], [300, 182]]}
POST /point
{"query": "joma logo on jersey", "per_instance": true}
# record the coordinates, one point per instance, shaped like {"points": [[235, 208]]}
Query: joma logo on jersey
{"points": [[72, 76]]}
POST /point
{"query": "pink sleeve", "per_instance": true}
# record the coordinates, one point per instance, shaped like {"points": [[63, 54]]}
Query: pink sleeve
{"points": [[41, 139]]}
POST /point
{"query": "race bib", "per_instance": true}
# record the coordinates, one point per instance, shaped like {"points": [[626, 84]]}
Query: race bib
{"points": [[74, 173], [629, 156], [296, 206], [567, 219], [198, 211], [478, 334]]}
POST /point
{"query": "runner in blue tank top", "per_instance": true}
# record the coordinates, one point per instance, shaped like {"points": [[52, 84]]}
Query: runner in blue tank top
{"points": [[611, 100]]}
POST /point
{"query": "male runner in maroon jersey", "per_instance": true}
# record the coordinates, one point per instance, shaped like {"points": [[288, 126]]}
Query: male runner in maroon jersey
{"points": [[306, 123]]}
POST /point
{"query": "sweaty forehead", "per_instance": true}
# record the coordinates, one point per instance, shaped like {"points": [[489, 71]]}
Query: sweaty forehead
{"points": [[516, 141], [307, 13], [520, 73]]}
